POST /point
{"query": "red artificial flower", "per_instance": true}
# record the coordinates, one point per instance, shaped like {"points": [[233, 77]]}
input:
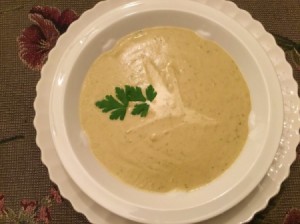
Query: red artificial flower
{"points": [[44, 215], [28, 205], [36, 41], [55, 195], [292, 217], [2, 209]]}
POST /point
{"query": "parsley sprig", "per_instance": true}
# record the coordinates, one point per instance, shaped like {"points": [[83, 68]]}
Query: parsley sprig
{"points": [[118, 106]]}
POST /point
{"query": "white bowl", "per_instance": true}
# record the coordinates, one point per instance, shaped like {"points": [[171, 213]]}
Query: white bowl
{"points": [[97, 31]]}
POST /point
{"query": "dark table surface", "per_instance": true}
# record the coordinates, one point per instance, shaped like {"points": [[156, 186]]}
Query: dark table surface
{"points": [[22, 174]]}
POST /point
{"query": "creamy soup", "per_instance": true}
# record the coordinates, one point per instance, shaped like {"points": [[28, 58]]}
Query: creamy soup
{"points": [[196, 126]]}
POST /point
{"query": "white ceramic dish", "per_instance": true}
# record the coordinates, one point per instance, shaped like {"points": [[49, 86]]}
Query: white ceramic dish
{"points": [[90, 185], [175, 207]]}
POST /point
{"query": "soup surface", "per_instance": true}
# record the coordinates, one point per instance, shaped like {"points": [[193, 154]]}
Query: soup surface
{"points": [[197, 124]]}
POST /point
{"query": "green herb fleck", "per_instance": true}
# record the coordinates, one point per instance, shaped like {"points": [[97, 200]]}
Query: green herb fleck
{"points": [[118, 107]]}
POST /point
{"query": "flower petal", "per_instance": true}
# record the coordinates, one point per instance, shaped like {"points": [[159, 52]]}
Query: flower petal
{"points": [[28, 205], [55, 195], [67, 17], [1, 204], [48, 28], [36, 41], [51, 13], [30, 51], [44, 215], [292, 217]]}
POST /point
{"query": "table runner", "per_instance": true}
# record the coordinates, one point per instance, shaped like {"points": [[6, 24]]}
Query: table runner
{"points": [[24, 181]]}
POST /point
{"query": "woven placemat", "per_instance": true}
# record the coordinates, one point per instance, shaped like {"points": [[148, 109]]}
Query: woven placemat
{"points": [[22, 174]]}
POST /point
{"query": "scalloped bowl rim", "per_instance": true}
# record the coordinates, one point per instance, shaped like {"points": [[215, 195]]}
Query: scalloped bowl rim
{"points": [[57, 98]]}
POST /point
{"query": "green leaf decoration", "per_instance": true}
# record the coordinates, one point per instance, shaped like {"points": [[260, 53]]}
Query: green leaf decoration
{"points": [[140, 109], [296, 58], [285, 43], [134, 94], [118, 114], [10, 139], [150, 93], [121, 95], [108, 104], [118, 106], [291, 47]]}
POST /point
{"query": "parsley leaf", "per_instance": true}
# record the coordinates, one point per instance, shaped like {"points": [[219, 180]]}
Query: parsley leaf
{"points": [[141, 109], [121, 95], [150, 93], [109, 103], [134, 94], [118, 114], [118, 106]]}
